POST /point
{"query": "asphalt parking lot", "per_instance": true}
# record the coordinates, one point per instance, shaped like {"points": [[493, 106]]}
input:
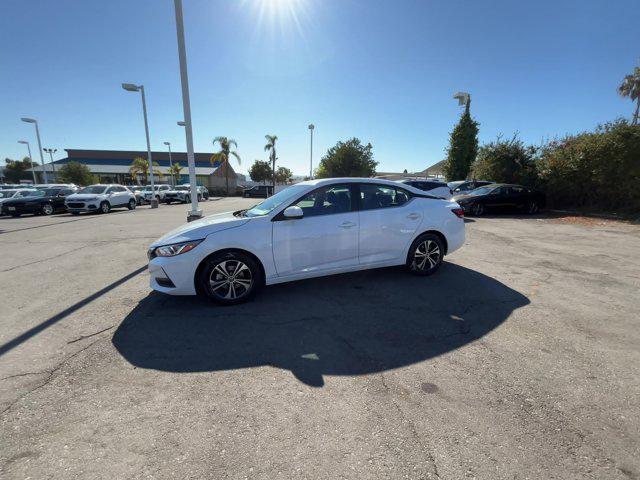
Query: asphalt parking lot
{"points": [[519, 359]]}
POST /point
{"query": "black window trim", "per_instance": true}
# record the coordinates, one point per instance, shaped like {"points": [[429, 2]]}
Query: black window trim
{"points": [[279, 217]]}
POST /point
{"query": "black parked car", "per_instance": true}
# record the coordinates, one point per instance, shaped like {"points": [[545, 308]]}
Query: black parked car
{"points": [[259, 191], [39, 202], [463, 186], [501, 197]]}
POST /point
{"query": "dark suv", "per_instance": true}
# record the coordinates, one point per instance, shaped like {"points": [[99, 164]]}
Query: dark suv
{"points": [[260, 191]]}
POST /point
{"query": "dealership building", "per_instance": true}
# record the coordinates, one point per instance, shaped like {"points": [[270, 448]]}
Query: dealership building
{"points": [[113, 166]]}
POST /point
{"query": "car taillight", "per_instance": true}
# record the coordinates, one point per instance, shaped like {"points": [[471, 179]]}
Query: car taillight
{"points": [[458, 212]]}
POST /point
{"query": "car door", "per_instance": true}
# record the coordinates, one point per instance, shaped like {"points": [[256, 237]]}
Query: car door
{"points": [[388, 217], [498, 199], [59, 200], [325, 238]]}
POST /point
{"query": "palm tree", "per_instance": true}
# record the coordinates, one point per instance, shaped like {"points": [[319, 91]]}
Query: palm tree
{"points": [[271, 148], [223, 155], [140, 166], [630, 87], [175, 170]]}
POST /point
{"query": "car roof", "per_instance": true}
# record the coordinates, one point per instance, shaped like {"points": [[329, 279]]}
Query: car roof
{"points": [[377, 181]]}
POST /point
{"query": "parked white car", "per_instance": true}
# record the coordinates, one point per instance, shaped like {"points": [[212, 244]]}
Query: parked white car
{"points": [[100, 198], [310, 229], [160, 191], [182, 193]]}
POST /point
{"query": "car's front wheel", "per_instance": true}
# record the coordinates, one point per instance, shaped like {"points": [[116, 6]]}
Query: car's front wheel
{"points": [[425, 255], [532, 208], [105, 207], [132, 204], [230, 278], [187, 199]]}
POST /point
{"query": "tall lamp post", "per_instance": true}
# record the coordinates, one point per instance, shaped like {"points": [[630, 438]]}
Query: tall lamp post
{"points": [[24, 142], [168, 144], [130, 87], [51, 151], [35, 122], [311, 127], [194, 213]]}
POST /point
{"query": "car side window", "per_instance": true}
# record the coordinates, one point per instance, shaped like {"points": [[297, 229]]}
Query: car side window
{"points": [[109, 190], [326, 200], [65, 192], [381, 196]]}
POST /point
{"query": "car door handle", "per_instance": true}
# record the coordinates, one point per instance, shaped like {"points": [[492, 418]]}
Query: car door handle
{"points": [[347, 225], [413, 216]]}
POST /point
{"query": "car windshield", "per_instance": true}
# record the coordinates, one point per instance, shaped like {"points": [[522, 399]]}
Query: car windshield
{"points": [[7, 193], [454, 185], [481, 191], [37, 193], [95, 189], [275, 201]]}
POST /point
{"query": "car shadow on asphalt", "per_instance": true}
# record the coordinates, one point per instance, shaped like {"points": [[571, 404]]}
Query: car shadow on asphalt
{"points": [[350, 324]]}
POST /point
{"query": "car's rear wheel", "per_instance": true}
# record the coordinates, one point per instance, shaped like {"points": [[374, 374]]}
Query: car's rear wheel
{"points": [[105, 207], [477, 209], [47, 209], [15, 214], [532, 208], [425, 255], [75, 213], [230, 278], [132, 204]]}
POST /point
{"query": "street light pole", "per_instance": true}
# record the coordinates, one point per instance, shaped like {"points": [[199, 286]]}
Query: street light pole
{"points": [[51, 151], [24, 142], [311, 127], [194, 214], [173, 183], [35, 122], [140, 88]]}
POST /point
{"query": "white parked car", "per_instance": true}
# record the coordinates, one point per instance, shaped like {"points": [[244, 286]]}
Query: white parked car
{"points": [[160, 190], [182, 193], [310, 229], [100, 198]]}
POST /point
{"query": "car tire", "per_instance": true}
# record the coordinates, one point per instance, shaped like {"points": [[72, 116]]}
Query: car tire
{"points": [[425, 255], [229, 278], [532, 208], [47, 209], [75, 213], [477, 209], [138, 201], [105, 207], [15, 214], [187, 199], [132, 204]]}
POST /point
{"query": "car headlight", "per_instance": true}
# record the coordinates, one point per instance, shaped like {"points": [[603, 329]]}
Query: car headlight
{"points": [[176, 249]]}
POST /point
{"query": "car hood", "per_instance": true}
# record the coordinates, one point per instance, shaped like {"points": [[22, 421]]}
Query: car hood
{"points": [[201, 228], [83, 196], [10, 201]]}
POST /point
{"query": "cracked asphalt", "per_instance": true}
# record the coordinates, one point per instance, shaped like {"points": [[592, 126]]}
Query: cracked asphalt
{"points": [[519, 359]]}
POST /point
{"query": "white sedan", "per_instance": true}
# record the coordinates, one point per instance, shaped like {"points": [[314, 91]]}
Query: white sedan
{"points": [[311, 229]]}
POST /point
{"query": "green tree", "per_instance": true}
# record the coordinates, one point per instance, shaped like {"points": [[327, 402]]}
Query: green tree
{"points": [[16, 170], [506, 161], [175, 171], [78, 173], [260, 171], [463, 147], [222, 156], [271, 148], [140, 166], [283, 175], [347, 159], [630, 87]]}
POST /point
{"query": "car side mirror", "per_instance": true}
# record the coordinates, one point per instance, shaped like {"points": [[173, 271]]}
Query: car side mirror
{"points": [[293, 213], [457, 189]]}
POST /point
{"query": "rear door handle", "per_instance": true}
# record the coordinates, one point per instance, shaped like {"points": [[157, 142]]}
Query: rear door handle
{"points": [[413, 216], [347, 225]]}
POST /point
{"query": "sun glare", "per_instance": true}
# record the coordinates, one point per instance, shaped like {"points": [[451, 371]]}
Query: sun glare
{"points": [[282, 15]]}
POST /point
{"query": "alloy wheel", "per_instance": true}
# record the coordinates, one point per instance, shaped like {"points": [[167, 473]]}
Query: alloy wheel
{"points": [[426, 256], [533, 208], [47, 209], [230, 280], [478, 209]]}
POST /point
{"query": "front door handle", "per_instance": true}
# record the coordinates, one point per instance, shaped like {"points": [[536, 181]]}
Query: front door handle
{"points": [[347, 225], [413, 216]]}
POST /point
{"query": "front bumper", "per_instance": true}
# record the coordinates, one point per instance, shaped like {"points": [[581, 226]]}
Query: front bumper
{"points": [[173, 275], [83, 206]]}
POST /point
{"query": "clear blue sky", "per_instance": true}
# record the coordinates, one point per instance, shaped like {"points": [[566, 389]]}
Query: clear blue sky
{"points": [[383, 71]]}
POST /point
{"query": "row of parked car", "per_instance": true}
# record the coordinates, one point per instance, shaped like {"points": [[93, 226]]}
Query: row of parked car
{"points": [[16, 200]]}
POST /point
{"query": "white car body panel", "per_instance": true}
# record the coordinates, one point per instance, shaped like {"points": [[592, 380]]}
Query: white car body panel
{"points": [[312, 246], [91, 201]]}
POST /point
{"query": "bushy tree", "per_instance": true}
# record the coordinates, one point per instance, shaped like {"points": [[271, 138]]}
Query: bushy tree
{"points": [[463, 147], [347, 159], [76, 172], [598, 169], [506, 161], [283, 175], [16, 170], [260, 171]]}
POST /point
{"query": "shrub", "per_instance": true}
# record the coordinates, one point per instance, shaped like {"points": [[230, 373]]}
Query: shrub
{"points": [[506, 161], [598, 169], [347, 159]]}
